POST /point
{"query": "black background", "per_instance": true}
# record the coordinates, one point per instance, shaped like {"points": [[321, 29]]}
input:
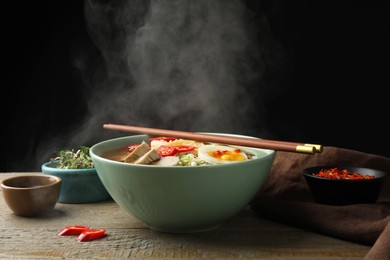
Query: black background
{"points": [[334, 89]]}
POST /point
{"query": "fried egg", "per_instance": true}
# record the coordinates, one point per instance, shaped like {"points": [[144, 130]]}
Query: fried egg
{"points": [[221, 154]]}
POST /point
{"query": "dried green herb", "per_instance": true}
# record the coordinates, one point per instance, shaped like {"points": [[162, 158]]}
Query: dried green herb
{"points": [[71, 159]]}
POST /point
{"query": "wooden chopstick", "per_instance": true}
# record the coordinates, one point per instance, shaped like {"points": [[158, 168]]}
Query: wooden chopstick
{"points": [[214, 138]]}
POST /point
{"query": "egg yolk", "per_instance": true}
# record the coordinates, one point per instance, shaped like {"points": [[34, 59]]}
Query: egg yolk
{"points": [[227, 155]]}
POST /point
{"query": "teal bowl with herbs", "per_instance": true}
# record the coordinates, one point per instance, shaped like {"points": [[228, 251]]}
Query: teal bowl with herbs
{"points": [[80, 181]]}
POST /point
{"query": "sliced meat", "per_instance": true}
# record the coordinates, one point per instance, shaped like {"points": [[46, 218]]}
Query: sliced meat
{"points": [[137, 153], [149, 157]]}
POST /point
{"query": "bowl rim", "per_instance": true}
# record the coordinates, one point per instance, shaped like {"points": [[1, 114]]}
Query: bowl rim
{"points": [[56, 181], [268, 152], [307, 174]]}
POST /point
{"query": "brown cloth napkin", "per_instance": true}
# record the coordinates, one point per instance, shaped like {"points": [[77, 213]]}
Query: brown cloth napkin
{"points": [[285, 197]]}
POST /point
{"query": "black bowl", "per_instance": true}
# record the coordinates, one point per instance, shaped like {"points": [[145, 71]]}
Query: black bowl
{"points": [[343, 192]]}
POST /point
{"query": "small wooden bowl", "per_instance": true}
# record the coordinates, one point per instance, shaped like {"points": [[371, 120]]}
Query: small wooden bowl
{"points": [[31, 195]]}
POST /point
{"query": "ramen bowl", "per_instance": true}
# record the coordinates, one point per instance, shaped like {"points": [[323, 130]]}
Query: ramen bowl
{"points": [[78, 185], [180, 199], [335, 189], [31, 195]]}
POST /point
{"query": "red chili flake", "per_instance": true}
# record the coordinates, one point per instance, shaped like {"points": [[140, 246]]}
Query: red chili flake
{"points": [[219, 153], [162, 138], [131, 147], [342, 174]]}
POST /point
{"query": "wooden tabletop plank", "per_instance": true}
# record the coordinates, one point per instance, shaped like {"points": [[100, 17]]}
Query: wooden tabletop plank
{"points": [[245, 236]]}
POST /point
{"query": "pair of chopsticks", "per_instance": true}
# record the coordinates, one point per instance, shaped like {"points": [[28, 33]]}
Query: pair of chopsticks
{"points": [[213, 138]]}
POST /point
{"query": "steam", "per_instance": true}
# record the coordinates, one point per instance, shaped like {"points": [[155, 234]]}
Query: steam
{"points": [[194, 65], [189, 65]]}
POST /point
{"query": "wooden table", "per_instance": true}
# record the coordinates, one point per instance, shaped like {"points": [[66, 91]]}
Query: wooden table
{"points": [[245, 236]]}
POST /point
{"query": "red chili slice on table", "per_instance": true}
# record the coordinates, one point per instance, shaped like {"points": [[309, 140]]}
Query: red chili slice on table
{"points": [[84, 233], [91, 234], [72, 230]]}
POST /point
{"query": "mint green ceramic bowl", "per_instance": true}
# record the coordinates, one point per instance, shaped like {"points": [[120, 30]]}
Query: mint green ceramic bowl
{"points": [[180, 199]]}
